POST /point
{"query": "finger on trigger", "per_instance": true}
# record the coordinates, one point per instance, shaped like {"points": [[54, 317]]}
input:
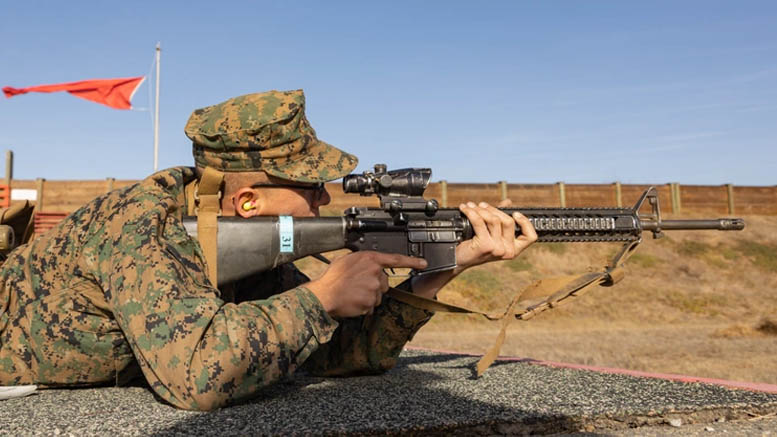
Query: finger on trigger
{"points": [[396, 260]]}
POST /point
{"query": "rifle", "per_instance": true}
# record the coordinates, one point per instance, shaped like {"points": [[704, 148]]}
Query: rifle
{"points": [[406, 223]]}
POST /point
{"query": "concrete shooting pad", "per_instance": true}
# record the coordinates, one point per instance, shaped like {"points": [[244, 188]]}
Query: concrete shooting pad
{"points": [[428, 393]]}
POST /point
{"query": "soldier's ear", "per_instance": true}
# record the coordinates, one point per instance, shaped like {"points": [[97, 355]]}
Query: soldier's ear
{"points": [[247, 203]]}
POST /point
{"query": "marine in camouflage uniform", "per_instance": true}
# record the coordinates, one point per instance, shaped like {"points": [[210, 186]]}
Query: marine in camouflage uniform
{"points": [[120, 287]]}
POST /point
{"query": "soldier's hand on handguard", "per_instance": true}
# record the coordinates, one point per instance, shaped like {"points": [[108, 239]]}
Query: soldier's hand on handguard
{"points": [[354, 284], [494, 235]]}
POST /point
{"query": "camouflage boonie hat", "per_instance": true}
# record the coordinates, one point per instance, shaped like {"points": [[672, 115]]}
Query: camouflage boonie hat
{"points": [[265, 131]]}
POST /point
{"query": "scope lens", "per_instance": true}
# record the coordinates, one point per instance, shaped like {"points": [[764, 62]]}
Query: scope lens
{"points": [[354, 183]]}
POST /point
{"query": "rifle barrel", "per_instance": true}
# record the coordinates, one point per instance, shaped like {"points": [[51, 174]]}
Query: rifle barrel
{"points": [[722, 224]]}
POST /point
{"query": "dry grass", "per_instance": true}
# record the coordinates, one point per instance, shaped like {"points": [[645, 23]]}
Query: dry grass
{"points": [[688, 349], [698, 303]]}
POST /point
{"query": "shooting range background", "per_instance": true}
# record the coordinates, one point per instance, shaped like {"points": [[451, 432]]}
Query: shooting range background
{"points": [[67, 196]]}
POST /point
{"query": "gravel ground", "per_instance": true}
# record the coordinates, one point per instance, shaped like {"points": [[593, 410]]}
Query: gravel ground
{"points": [[754, 426], [427, 393]]}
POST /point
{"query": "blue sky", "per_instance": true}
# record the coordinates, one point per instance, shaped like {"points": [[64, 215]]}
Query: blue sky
{"points": [[533, 92]]}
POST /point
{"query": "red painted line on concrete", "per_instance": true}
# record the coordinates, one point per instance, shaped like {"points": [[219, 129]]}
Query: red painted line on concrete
{"points": [[752, 386]]}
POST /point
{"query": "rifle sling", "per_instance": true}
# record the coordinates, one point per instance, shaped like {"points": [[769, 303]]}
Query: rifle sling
{"points": [[571, 286], [207, 198]]}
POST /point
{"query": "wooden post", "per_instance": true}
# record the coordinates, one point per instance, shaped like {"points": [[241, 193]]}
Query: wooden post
{"points": [[679, 197], [562, 194], [444, 193], [109, 182], [730, 191], [39, 197], [618, 195], [503, 189], [8, 167], [676, 204]]}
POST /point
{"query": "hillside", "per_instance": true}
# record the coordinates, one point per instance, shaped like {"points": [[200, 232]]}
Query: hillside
{"points": [[698, 303]]}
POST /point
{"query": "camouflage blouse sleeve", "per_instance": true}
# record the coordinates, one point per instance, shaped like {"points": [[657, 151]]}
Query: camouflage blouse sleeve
{"points": [[195, 350]]}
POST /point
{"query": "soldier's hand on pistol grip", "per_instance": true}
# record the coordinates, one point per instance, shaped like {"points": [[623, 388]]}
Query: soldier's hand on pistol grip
{"points": [[354, 284]]}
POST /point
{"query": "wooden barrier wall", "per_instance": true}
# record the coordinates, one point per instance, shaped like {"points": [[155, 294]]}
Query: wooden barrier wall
{"points": [[67, 196]]}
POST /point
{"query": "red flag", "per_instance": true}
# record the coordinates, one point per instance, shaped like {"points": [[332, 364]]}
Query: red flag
{"points": [[115, 93]]}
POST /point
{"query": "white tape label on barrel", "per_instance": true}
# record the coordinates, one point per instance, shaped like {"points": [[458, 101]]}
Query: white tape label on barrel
{"points": [[286, 233]]}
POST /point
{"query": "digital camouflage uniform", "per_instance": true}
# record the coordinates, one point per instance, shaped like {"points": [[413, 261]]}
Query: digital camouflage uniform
{"points": [[120, 286]]}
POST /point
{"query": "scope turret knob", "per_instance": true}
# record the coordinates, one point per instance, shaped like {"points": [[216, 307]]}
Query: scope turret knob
{"points": [[385, 181], [431, 207], [380, 168]]}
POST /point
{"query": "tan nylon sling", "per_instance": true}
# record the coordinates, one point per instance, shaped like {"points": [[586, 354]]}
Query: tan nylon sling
{"points": [[557, 290], [207, 201]]}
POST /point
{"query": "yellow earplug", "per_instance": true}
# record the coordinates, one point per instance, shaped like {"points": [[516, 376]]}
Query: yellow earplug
{"points": [[247, 206]]}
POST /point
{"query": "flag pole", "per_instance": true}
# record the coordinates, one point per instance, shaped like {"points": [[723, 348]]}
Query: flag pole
{"points": [[156, 110]]}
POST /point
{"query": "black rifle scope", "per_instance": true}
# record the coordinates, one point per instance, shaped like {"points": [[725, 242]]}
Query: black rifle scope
{"points": [[394, 183]]}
